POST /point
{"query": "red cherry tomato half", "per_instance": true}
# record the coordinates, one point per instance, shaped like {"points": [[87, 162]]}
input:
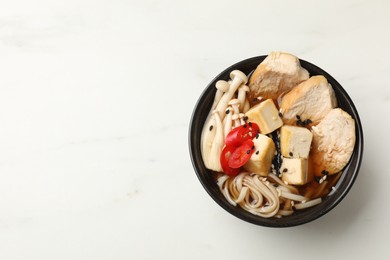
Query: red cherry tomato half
{"points": [[241, 154], [232, 137], [240, 134], [224, 159]]}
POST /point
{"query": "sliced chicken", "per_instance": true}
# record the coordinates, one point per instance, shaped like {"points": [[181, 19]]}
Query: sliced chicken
{"points": [[278, 73], [311, 100], [333, 142]]}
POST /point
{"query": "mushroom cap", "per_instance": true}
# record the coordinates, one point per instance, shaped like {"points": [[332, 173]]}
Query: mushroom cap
{"points": [[239, 74], [234, 101], [222, 85], [244, 87], [235, 116]]}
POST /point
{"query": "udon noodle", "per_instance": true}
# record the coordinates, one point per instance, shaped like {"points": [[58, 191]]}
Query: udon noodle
{"points": [[263, 196]]}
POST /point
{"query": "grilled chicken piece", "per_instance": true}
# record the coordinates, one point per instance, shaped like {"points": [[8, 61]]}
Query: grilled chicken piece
{"points": [[333, 142], [311, 100], [278, 73]]}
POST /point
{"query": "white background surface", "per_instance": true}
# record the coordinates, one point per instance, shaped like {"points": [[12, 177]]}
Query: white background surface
{"points": [[95, 103]]}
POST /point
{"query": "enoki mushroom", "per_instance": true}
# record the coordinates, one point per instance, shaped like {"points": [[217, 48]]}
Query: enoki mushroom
{"points": [[258, 196]]}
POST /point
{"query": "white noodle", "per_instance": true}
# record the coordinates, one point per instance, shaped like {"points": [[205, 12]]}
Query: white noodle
{"points": [[258, 196], [239, 179], [251, 192], [242, 195], [280, 182], [292, 196], [283, 188], [284, 212], [255, 195], [221, 180], [308, 204], [269, 195], [227, 196]]}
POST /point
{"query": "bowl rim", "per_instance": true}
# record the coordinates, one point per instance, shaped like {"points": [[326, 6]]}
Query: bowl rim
{"points": [[282, 222]]}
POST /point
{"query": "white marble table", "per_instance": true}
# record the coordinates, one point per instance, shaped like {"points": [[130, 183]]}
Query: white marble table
{"points": [[95, 102]]}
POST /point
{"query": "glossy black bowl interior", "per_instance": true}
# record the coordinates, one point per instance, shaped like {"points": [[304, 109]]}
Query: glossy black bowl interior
{"points": [[299, 217]]}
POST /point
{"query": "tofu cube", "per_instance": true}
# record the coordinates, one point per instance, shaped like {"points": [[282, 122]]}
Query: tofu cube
{"points": [[266, 116], [295, 141], [261, 159], [296, 171]]}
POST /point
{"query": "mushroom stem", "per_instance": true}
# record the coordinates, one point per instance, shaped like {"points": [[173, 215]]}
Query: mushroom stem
{"points": [[207, 137], [242, 90], [236, 120], [235, 103], [241, 116], [218, 143], [238, 78], [222, 87], [213, 138], [228, 121], [246, 106]]}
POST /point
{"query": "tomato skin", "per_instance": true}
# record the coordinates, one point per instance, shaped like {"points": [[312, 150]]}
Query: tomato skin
{"points": [[238, 149], [232, 137], [240, 134], [224, 159], [241, 154]]}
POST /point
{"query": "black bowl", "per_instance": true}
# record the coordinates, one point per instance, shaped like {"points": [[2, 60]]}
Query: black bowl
{"points": [[299, 217]]}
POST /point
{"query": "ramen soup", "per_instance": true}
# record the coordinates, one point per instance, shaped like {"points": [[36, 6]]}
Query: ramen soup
{"points": [[276, 142]]}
